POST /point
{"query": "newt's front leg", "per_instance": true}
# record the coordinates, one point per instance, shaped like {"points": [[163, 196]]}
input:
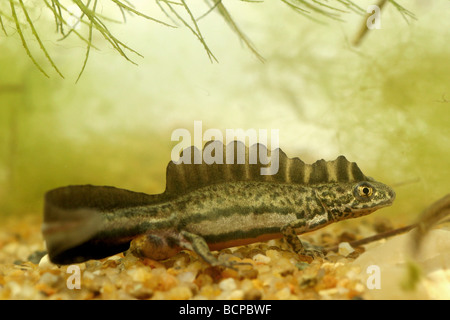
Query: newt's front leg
{"points": [[290, 235]]}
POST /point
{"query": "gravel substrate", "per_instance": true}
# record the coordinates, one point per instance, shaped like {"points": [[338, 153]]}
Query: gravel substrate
{"points": [[274, 272]]}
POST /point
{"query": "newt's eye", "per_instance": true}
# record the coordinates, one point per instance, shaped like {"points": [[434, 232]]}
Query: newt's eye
{"points": [[363, 191]]}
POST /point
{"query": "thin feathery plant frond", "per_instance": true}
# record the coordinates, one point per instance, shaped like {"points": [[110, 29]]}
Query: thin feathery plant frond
{"points": [[226, 15], [124, 16], [296, 8], [24, 42], [196, 32], [130, 9], [403, 11], [89, 45], [33, 30], [352, 6], [60, 20], [104, 31], [158, 3], [319, 3], [3, 26], [301, 11], [59, 25], [199, 34], [298, 5], [178, 13], [212, 7]]}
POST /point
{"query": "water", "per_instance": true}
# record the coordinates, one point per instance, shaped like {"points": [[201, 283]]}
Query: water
{"points": [[384, 104]]}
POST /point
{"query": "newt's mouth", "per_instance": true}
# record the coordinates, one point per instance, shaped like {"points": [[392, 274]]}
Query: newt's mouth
{"points": [[392, 195], [362, 212], [383, 204], [389, 201]]}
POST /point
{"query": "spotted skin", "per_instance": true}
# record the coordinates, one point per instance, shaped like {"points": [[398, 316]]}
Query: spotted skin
{"points": [[207, 208]]}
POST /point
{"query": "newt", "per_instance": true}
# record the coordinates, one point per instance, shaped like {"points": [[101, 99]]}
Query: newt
{"points": [[208, 207]]}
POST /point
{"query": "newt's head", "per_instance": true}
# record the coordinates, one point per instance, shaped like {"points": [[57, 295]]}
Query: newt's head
{"points": [[352, 200]]}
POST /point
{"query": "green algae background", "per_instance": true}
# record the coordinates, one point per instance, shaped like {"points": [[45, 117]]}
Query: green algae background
{"points": [[384, 104]]}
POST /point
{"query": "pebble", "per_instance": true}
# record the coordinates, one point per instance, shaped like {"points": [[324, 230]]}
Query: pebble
{"points": [[253, 294], [20, 251], [283, 294], [49, 278], [21, 291], [273, 254], [139, 274], [46, 264], [178, 293], [227, 284], [188, 276], [260, 258], [236, 295], [345, 249], [328, 293], [139, 291]]}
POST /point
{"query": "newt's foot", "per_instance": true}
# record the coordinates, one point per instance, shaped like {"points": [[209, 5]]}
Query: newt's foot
{"points": [[313, 250], [231, 264], [313, 253], [310, 253]]}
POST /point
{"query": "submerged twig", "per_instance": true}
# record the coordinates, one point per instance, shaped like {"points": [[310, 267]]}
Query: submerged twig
{"points": [[378, 236], [438, 212], [364, 29]]}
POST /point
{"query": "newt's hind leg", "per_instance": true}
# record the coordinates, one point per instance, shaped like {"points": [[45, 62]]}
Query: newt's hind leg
{"points": [[198, 244], [155, 247]]}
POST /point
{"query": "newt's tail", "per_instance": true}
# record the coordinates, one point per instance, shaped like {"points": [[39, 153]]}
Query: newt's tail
{"points": [[74, 222]]}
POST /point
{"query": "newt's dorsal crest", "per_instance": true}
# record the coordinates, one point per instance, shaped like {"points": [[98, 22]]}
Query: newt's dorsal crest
{"points": [[245, 165]]}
